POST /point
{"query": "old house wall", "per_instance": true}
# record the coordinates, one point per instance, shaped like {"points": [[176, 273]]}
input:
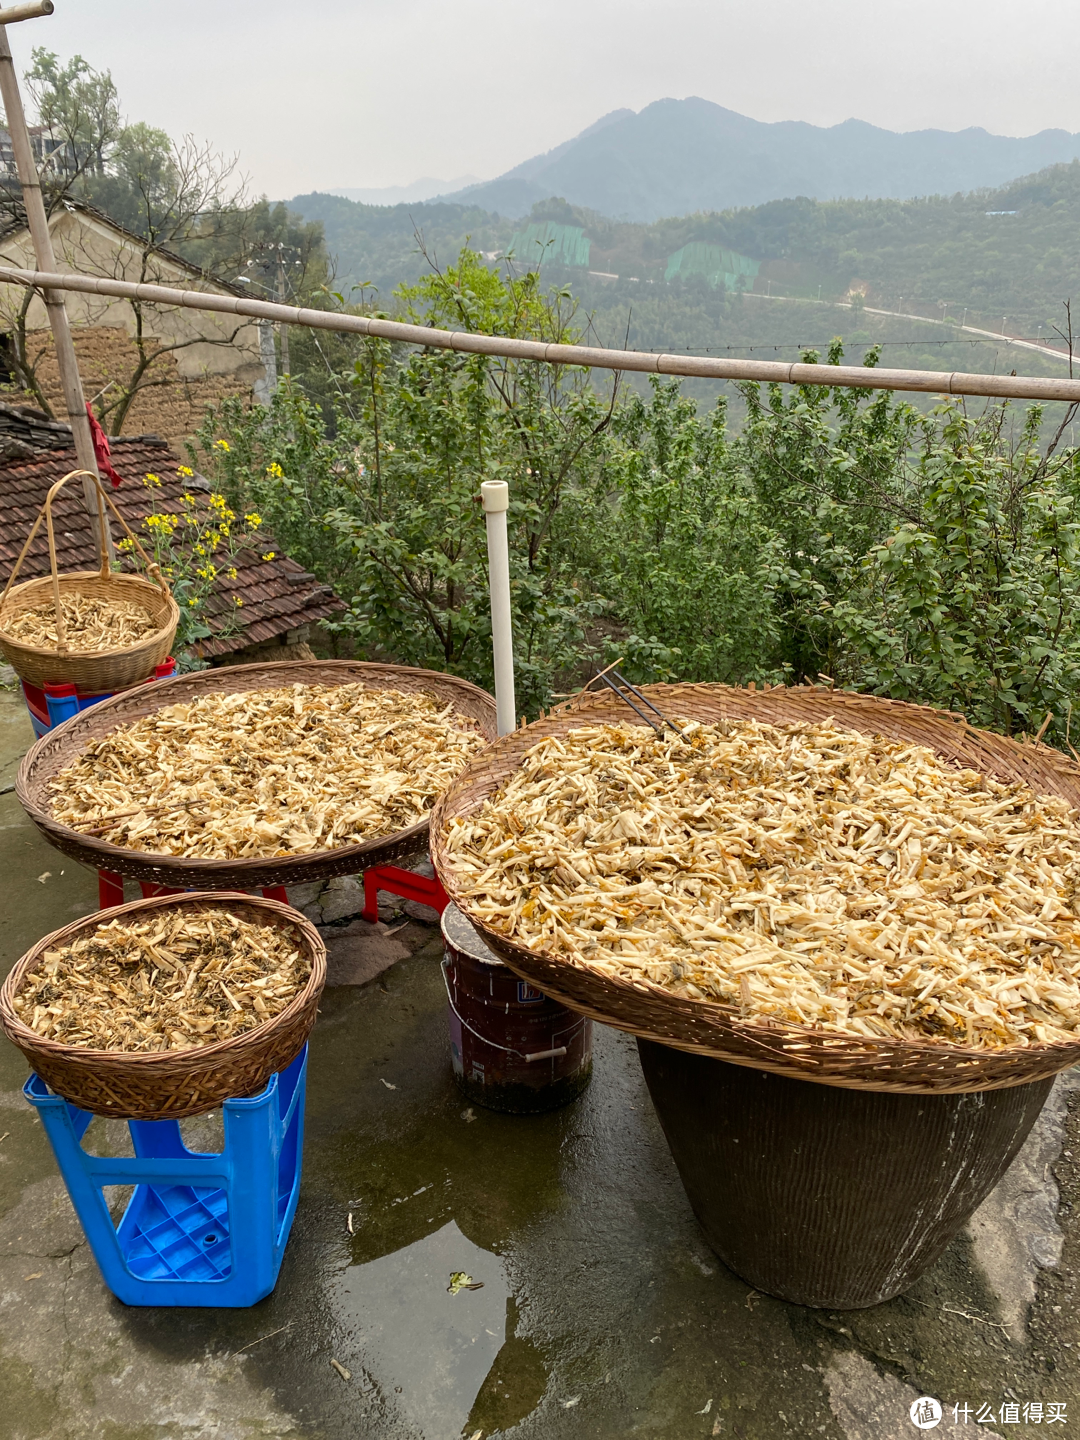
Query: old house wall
{"points": [[207, 356], [171, 406], [212, 344]]}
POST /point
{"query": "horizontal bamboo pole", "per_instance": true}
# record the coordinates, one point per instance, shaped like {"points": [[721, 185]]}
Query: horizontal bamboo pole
{"points": [[30, 10], [933, 382]]}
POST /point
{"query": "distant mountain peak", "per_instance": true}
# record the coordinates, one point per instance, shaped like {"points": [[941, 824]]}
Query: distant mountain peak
{"points": [[677, 157], [528, 167]]}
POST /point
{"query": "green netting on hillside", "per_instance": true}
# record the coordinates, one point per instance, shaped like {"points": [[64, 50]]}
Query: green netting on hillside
{"points": [[563, 244], [719, 266]]}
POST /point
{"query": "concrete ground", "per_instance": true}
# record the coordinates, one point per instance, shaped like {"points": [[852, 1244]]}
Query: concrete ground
{"points": [[603, 1313]]}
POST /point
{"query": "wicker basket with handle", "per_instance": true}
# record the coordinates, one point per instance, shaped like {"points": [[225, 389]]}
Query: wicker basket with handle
{"points": [[89, 670], [708, 1028], [169, 1084], [62, 746]]}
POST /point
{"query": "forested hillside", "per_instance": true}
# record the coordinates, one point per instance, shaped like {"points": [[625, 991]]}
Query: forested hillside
{"points": [[1006, 257], [377, 245]]}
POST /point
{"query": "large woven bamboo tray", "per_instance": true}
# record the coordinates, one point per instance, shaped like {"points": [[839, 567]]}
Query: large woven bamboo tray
{"points": [[709, 1028], [169, 1084], [62, 746]]}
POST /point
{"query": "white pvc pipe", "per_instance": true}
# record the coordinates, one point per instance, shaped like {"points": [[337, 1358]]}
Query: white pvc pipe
{"points": [[495, 495]]}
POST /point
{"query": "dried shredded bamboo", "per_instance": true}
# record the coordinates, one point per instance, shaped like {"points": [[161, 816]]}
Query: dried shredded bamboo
{"points": [[178, 979], [91, 622], [803, 874], [262, 773]]}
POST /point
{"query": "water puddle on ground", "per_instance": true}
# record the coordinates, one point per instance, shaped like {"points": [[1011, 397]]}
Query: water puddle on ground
{"points": [[446, 1363]]}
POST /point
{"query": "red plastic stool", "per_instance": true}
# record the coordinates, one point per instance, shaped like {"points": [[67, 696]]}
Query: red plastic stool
{"points": [[406, 883], [111, 890]]}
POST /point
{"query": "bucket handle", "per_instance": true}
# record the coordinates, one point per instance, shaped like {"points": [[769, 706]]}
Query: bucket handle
{"points": [[507, 1049], [45, 513]]}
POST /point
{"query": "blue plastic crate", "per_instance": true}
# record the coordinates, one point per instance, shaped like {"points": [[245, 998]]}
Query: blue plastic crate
{"points": [[199, 1229], [53, 704]]}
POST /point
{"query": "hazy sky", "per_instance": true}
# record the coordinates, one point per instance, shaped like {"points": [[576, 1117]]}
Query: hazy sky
{"points": [[323, 94]]}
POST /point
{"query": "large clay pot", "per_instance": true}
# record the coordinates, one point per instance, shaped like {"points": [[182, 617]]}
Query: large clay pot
{"points": [[826, 1196]]}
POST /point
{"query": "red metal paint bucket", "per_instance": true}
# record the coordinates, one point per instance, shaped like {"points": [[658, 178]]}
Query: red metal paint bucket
{"points": [[512, 1048]]}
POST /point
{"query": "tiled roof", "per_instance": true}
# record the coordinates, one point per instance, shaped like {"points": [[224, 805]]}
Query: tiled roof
{"points": [[278, 595], [25, 432]]}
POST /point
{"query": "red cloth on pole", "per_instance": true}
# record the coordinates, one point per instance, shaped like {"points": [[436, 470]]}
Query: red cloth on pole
{"points": [[101, 448]]}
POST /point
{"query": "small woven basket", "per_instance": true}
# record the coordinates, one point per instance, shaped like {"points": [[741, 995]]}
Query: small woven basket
{"points": [[90, 670], [708, 1028], [62, 747], [169, 1084]]}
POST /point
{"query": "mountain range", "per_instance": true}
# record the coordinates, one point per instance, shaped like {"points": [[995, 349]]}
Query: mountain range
{"points": [[422, 189], [678, 157]]}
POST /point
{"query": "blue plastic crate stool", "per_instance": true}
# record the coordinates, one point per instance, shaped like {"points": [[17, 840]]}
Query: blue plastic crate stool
{"points": [[199, 1229], [51, 705]]}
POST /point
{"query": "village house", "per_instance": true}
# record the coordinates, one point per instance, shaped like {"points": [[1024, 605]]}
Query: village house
{"points": [[145, 367]]}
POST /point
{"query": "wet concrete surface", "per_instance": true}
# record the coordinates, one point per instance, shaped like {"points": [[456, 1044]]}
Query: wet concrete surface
{"points": [[602, 1312]]}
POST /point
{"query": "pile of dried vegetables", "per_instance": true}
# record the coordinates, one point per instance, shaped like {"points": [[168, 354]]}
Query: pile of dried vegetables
{"points": [[804, 874], [172, 980], [262, 773], [91, 622]]}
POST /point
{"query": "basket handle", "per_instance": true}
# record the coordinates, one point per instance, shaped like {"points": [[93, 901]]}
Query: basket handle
{"points": [[45, 513]]}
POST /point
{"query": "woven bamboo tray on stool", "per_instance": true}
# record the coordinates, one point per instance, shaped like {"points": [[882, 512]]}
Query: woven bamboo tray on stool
{"points": [[92, 671], [836, 1193], [61, 747], [169, 1084]]}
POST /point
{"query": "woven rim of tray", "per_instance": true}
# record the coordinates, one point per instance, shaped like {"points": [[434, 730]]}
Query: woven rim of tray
{"points": [[241, 1065], [62, 746], [707, 1027]]}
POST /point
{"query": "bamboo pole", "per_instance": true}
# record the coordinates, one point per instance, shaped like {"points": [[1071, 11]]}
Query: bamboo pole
{"points": [[30, 10], [38, 224], [932, 382]]}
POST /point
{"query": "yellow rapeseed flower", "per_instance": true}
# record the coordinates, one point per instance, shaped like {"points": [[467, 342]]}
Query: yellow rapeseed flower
{"points": [[270, 555], [275, 471], [165, 523], [222, 445], [185, 472]]}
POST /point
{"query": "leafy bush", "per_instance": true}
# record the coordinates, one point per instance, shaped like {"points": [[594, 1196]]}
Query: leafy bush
{"points": [[973, 604], [927, 557], [690, 562], [387, 510]]}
